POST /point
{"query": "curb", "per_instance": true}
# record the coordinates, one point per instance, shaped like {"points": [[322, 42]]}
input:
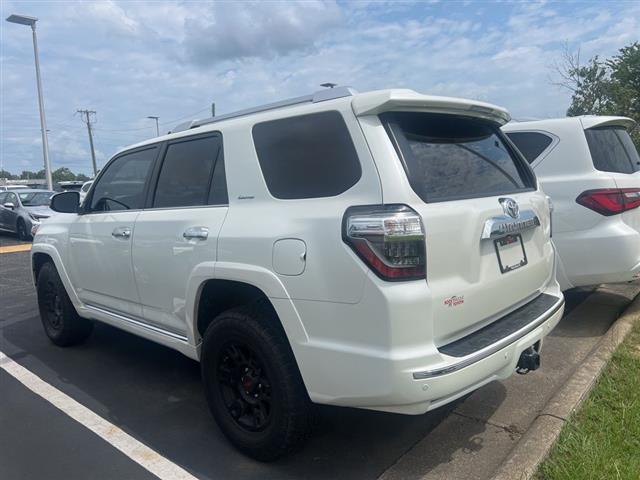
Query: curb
{"points": [[533, 448]]}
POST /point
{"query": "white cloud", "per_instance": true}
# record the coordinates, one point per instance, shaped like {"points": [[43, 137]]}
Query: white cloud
{"points": [[128, 60]]}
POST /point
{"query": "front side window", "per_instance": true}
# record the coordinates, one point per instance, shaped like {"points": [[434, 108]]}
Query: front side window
{"points": [[449, 157], [122, 185], [309, 156], [612, 150], [530, 144], [187, 173]]}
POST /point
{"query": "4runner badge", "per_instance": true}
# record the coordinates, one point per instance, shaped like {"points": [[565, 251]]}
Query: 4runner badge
{"points": [[454, 301]]}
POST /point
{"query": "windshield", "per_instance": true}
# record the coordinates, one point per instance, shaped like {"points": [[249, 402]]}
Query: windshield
{"points": [[35, 199], [450, 157], [612, 150]]}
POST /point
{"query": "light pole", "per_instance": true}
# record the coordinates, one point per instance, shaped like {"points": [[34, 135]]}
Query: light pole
{"points": [[31, 21], [157, 127]]}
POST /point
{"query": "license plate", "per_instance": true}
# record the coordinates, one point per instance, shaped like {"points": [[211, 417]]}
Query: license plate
{"points": [[510, 252]]}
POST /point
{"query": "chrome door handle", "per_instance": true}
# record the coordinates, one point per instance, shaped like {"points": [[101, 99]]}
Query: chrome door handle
{"points": [[199, 233], [121, 232]]}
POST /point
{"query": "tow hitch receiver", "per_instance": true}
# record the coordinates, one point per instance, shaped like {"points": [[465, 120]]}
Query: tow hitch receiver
{"points": [[529, 361]]}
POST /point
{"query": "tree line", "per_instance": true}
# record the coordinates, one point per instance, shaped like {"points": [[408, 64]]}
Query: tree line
{"points": [[608, 86], [62, 174]]}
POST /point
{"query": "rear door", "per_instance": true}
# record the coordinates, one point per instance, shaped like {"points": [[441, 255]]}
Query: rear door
{"points": [[179, 231], [487, 235]]}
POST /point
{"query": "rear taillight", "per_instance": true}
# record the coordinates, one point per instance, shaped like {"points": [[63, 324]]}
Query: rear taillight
{"points": [[610, 201], [388, 238]]}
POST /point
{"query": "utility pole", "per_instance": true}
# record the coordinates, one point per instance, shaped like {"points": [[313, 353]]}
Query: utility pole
{"points": [[153, 117], [87, 119]]}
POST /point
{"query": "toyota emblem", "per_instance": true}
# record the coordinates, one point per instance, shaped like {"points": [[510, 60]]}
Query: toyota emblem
{"points": [[510, 207]]}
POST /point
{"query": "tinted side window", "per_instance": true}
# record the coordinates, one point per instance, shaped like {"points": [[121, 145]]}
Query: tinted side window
{"points": [[530, 144], [187, 171], [608, 152], [448, 157], [3, 197], [309, 156], [121, 187]]}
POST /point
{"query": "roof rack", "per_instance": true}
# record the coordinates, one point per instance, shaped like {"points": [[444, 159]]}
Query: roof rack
{"points": [[319, 96]]}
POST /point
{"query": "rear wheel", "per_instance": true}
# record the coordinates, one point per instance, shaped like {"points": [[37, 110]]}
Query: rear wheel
{"points": [[21, 230], [61, 322], [252, 383]]}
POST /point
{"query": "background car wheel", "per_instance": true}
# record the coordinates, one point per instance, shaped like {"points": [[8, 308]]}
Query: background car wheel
{"points": [[253, 385], [21, 230], [61, 322]]}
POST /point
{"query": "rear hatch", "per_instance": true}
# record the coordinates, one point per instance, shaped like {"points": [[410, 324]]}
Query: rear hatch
{"points": [[613, 152], [486, 225]]}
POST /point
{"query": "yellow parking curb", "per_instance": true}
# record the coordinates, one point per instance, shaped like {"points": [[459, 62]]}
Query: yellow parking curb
{"points": [[25, 247]]}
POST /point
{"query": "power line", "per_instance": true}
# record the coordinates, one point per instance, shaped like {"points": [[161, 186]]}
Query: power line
{"points": [[88, 115]]}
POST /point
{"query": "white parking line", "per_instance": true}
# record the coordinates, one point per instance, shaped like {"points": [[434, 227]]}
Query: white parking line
{"points": [[132, 448]]}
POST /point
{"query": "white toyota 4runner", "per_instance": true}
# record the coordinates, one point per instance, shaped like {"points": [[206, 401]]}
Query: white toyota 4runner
{"points": [[385, 250]]}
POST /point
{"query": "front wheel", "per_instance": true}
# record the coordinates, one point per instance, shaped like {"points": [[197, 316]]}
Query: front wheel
{"points": [[252, 383], [21, 231], [61, 322]]}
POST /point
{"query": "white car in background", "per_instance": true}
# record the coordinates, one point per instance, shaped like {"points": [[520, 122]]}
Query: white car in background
{"points": [[591, 170], [85, 188]]}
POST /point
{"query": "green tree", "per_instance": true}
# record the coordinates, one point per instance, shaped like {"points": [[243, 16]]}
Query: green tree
{"points": [[604, 87], [28, 175], [7, 175], [82, 177], [63, 174]]}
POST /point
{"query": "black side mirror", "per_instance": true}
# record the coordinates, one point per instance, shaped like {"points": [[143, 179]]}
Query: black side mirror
{"points": [[65, 202]]}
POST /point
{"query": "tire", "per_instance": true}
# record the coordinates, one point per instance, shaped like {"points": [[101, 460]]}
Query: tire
{"points": [[253, 385], [21, 230], [61, 322]]}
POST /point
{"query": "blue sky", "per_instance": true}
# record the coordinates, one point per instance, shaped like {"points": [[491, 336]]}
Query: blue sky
{"points": [[128, 60]]}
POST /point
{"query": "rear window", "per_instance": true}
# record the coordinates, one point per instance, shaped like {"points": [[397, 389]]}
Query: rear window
{"points": [[308, 156], [612, 150], [449, 157], [530, 144]]}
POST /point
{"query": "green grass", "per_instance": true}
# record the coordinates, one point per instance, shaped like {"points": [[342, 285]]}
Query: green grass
{"points": [[602, 439]]}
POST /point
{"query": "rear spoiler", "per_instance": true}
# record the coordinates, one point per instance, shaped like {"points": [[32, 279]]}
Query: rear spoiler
{"points": [[374, 103], [594, 121]]}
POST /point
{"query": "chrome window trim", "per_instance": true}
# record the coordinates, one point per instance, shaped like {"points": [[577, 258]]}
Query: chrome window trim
{"points": [[137, 323], [491, 349]]}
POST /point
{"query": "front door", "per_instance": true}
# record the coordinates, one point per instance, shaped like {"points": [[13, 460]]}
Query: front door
{"points": [[178, 235], [101, 238]]}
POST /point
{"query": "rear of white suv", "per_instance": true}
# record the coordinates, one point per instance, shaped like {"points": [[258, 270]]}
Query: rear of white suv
{"points": [[385, 250], [591, 170]]}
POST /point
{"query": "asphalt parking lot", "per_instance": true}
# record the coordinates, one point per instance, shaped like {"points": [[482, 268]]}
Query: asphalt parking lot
{"points": [[154, 395]]}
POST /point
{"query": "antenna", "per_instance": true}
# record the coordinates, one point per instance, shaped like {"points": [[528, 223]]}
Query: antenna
{"points": [[328, 85]]}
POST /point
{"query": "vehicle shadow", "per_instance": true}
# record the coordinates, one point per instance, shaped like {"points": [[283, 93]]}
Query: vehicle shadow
{"points": [[155, 394], [601, 306]]}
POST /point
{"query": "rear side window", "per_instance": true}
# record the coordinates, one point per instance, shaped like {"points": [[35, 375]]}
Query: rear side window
{"points": [[612, 150], [187, 173], [448, 157], [530, 144], [309, 156], [122, 185]]}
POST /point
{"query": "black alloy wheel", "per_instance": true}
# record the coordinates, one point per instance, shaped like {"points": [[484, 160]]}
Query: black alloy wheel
{"points": [[245, 386]]}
